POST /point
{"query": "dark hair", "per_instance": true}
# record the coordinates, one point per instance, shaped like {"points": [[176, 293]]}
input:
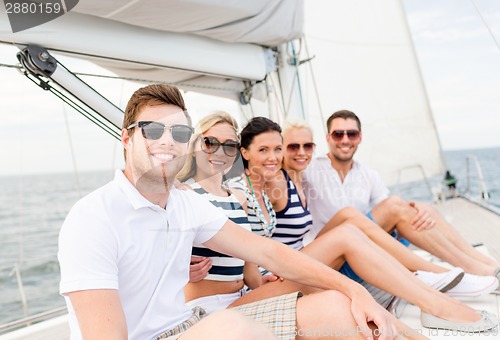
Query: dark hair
{"points": [[345, 114], [255, 127]]}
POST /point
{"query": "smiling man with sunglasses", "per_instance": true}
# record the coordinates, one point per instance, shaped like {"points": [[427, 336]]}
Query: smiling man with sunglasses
{"points": [[336, 180]]}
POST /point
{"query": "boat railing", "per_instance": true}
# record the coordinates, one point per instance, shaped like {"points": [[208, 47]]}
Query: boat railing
{"points": [[16, 269], [475, 181], [421, 170], [32, 319], [471, 161], [483, 199]]}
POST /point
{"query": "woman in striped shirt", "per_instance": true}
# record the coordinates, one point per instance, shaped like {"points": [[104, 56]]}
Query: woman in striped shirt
{"points": [[226, 276]]}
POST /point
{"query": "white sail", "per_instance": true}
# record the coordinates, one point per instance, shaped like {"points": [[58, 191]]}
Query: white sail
{"points": [[365, 62], [208, 46]]}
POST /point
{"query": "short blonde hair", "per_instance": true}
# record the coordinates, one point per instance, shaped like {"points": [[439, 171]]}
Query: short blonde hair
{"points": [[205, 124], [297, 125]]}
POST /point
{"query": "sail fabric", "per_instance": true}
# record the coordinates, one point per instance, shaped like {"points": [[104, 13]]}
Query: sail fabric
{"points": [[365, 62], [209, 46], [262, 22]]}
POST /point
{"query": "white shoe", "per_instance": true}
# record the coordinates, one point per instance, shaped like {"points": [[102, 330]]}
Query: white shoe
{"points": [[487, 322], [474, 285], [441, 281], [497, 274]]}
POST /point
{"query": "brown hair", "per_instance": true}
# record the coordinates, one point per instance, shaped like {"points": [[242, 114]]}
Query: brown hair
{"points": [[345, 114], [151, 95]]}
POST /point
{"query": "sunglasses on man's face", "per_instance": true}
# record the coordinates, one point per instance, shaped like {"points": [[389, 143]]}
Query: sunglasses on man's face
{"points": [[294, 147], [338, 135], [154, 130], [212, 144]]}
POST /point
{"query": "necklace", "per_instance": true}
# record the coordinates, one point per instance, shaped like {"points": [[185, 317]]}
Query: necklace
{"points": [[267, 228]]}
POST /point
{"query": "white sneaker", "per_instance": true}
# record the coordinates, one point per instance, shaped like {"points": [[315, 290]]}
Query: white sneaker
{"points": [[441, 281], [497, 274], [474, 285]]}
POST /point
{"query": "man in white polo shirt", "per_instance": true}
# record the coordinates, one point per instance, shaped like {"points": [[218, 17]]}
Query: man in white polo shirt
{"points": [[335, 180], [125, 249]]}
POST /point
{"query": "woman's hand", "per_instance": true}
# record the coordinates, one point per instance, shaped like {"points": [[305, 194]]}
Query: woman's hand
{"points": [[199, 267]]}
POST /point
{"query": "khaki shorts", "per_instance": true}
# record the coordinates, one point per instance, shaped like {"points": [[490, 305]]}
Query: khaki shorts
{"points": [[172, 334], [278, 313]]}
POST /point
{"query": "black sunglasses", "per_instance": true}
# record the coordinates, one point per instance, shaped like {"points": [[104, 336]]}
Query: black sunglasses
{"points": [[338, 135], [294, 147], [212, 144], [154, 130]]}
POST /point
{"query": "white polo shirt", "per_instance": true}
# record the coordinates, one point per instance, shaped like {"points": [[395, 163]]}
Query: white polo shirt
{"points": [[326, 193], [114, 238]]}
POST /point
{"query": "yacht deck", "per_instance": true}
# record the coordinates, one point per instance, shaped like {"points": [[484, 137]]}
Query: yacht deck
{"points": [[479, 226], [475, 223]]}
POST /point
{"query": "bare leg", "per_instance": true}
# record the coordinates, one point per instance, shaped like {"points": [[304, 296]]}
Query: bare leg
{"points": [[370, 262], [317, 319], [396, 212], [454, 237], [315, 312], [228, 324], [319, 325], [406, 332], [378, 235], [374, 266]]}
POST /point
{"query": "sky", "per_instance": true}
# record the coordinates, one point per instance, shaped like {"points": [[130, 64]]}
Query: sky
{"points": [[459, 60], [460, 63]]}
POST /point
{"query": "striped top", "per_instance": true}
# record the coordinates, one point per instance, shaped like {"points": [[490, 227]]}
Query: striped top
{"points": [[294, 221], [224, 267], [239, 183]]}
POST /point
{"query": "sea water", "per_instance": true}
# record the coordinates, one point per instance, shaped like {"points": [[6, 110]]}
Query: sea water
{"points": [[466, 174], [32, 209], [31, 214]]}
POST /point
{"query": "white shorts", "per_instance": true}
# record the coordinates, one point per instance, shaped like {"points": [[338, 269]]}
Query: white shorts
{"points": [[214, 303]]}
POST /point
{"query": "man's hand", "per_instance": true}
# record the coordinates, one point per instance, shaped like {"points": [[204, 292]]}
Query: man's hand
{"points": [[423, 219], [364, 310], [199, 268]]}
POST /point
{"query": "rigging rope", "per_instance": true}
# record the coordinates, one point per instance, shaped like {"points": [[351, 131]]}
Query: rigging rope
{"points": [[149, 81], [145, 81], [277, 100], [315, 85], [296, 78], [100, 122], [70, 142], [486, 24]]}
